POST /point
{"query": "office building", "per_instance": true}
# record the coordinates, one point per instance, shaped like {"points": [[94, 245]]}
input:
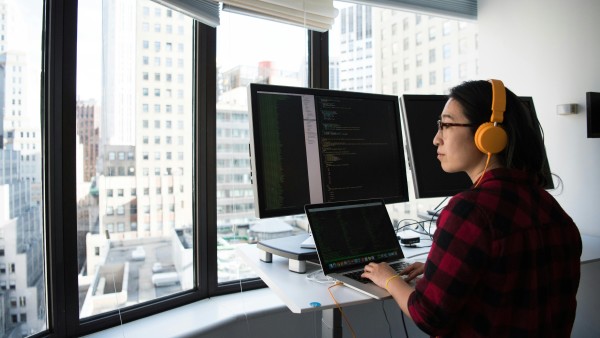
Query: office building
{"points": [[423, 54], [356, 54], [21, 240], [88, 129]]}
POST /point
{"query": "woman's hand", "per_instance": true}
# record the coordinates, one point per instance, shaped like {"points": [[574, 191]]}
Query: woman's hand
{"points": [[378, 273], [412, 271]]}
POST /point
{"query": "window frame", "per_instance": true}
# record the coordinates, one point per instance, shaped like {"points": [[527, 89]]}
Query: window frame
{"points": [[58, 116]]}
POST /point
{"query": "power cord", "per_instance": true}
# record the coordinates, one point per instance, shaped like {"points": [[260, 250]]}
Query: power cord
{"points": [[388, 322], [386, 318], [340, 308], [243, 304], [404, 324]]}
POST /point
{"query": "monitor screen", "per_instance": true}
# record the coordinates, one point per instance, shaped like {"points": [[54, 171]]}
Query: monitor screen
{"points": [[420, 113], [593, 114], [313, 145]]}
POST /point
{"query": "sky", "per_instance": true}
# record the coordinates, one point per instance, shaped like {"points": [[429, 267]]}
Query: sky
{"points": [[89, 50], [242, 40], [28, 40]]}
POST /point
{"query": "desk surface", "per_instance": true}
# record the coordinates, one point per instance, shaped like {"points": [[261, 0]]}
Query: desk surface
{"points": [[297, 291], [591, 249]]}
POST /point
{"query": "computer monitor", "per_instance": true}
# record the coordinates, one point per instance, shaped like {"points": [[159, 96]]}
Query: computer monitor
{"points": [[420, 113], [314, 145], [593, 114]]}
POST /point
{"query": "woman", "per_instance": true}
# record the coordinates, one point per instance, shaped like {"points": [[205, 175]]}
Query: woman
{"points": [[505, 261]]}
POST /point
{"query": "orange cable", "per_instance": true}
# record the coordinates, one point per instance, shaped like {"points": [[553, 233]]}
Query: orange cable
{"points": [[484, 170], [340, 308]]}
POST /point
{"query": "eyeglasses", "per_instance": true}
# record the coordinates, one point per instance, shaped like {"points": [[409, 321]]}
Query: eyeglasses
{"points": [[441, 125]]}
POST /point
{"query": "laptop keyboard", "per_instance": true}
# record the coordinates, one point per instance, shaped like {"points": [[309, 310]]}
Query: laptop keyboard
{"points": [[398, 266]]}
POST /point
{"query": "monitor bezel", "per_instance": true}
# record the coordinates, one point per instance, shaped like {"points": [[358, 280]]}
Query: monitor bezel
{"points": [[418, 190], [593, 114], [256, 157]]}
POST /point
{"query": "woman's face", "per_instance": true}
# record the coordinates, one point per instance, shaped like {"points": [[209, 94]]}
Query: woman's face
{"points": [[455, 144]]}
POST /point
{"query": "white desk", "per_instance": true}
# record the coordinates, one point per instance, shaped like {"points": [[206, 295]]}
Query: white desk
{"points": [[591, 249], [302, 295], [297, 292]]}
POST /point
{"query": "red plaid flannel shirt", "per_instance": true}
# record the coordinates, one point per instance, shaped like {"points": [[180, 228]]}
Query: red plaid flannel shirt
{"points": [[505, 262]]}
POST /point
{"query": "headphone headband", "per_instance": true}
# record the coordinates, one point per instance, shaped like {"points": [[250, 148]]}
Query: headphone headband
{"points": [[490, 138], [498, 101]]}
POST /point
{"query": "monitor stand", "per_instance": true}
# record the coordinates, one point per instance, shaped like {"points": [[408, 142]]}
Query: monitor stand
{"points": [[290, 248]]}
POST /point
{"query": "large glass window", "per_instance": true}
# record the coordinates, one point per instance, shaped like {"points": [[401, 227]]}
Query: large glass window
{"points": [[135, 230], [22, 258], [121, 263], [376, 57], [246, 54]]}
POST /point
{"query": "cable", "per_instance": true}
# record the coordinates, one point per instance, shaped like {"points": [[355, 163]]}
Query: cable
{"points": [[404, 324], [244, 307], [318, 277], [340, 308], [118, 307], [315, 322], [439, 204], [420, 254], [386, 318], [484, 169], [419, 224]]}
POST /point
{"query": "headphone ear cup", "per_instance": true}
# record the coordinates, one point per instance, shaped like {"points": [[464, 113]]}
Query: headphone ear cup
{"points": [[490, 139]]}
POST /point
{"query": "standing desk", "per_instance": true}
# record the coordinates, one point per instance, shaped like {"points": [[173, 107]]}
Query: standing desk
{"points": [[297, 292], [302, 295]]}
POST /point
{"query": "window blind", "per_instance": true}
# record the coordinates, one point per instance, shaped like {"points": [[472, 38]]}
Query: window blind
{"points": [[317, 15], [204, 11], [460, 9]]}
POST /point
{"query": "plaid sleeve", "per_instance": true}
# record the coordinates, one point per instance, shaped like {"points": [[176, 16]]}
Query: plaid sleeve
{"points": [[457, 258]]}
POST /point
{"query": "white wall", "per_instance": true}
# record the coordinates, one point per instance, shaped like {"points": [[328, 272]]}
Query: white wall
{"points": [[550, 50]]}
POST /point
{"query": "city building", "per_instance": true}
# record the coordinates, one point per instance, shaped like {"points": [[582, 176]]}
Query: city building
{"points": [[22, 279]]}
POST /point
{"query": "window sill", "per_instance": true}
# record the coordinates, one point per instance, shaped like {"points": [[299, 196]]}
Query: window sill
{"points": [[200, 317]]}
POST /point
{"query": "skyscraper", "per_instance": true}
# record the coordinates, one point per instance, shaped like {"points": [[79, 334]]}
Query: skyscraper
{"points": [[21, 242]]}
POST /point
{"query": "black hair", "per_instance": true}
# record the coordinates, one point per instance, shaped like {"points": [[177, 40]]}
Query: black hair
{"points": [[525, 149]]}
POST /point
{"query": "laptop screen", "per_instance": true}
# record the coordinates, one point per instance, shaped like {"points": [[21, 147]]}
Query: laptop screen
{"points": [[351, 234]]}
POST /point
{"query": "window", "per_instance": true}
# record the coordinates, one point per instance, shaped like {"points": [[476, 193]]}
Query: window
{"points": [[427, 64], [130, 90], [432, 55], [232, 36], [447, 50], [419, 39], [419, 60], [447, 74], [432, 78], [432, 33], [121, 125]]}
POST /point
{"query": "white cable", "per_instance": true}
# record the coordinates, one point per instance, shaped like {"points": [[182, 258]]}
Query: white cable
{"points": [[118, 307], [319, 277], [243, 303]]}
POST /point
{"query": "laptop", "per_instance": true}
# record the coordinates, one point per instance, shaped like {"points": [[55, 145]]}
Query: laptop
{"points": [[349, 235]]}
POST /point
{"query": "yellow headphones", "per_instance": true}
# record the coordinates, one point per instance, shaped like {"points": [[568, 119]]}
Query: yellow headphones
{"points": [[490, 138]]}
